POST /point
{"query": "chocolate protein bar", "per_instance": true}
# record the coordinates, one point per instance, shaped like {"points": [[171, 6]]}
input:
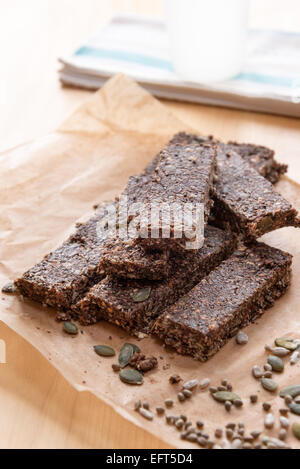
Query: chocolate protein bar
{"points": [[244, 201], [65, 274], [182, 175], [134, 305], [230, 297]]}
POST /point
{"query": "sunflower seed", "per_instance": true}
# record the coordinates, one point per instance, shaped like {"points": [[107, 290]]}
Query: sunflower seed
{"points": [[169, 402], [9, 287], [268, 374], [146, 413], [228, 406], [267, 367], [160, 410], [238, 403], [293, 391], [223, 396], [187, 393], [296, 429], [266, 406], [295, 357], [137, 405], [241, 338], [269, 384], [284, 422], [236, 443], [269, 421], [204, 383], [130, 376], [273, 443], [276, 363], [213, 389], [202, 442], [282, 434], [257, 372], [288, 399], [221, 388], [278, 351], [290, 344], [179, 424], [142, 295], [190, 384], [70, 328], [116, 367], [192, 437], [104, 350]]}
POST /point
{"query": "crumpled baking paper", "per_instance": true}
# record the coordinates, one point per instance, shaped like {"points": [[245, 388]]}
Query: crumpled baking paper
{"points": [[47, 185]]}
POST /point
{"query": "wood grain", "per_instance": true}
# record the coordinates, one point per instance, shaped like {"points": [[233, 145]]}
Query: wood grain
{"points": [[38, 408]]}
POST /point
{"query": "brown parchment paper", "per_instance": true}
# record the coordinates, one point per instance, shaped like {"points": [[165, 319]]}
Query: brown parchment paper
{"points": [[46, 185]]}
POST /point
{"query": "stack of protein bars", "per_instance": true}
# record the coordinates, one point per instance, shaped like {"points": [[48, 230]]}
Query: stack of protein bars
{"points": [[193, 299]]}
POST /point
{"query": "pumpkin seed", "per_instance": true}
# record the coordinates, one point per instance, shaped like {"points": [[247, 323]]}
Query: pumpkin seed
{"points": [[293, 391], [276, 363], [131, 376], [296, 429], [295, 408], [104, 350], [269, 384], [289, 344], [9, 287], [125, 355], [223, 396], [142, 295], [70, 328]]}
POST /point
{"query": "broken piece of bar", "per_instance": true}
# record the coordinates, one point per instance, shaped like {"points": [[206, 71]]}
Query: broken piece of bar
{"points": [[183, 175], [229, 298], [65, 274], [134, 305], [244, 201], [126, 259], [260, 158]]}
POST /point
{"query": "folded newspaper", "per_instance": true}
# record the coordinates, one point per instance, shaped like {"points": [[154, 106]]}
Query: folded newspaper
{"points": [[138, 47]]}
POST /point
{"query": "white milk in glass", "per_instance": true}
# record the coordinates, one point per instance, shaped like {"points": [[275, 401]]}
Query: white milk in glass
{"points": [[207, 38]]}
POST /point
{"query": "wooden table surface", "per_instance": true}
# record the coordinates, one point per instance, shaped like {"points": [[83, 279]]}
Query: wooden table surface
{"points": [[38, 408]]}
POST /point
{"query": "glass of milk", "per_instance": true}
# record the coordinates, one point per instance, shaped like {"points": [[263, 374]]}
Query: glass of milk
{"points": [[207, 38]]}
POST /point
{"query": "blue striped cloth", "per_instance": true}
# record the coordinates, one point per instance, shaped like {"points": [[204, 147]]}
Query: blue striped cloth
{"points": [[138, 47]]}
